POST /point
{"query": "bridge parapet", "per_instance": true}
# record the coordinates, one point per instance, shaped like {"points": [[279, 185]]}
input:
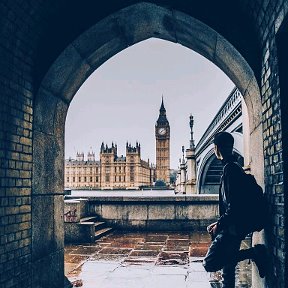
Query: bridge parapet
{"points": [[229, 111]]}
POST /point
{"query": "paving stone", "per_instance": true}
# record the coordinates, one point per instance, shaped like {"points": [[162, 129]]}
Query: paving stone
{"points": [[156, 238], [83, 250], [147, 246], [181, 242], [136, 260], [172, 281], [117, 266], [172, 258], [110, 250], [198, 250], [144, 253], [123, 245], [107, 258], [184, 236], [200, 238]]}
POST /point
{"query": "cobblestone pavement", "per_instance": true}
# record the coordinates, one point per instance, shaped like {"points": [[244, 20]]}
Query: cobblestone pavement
{"points": [[146, 260]]}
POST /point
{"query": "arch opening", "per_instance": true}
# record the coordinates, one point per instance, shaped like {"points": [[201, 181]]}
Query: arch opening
{"points": [[90, 50]]}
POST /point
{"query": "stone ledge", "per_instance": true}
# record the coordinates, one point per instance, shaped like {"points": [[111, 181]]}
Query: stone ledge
{"points": [[183, 198]]}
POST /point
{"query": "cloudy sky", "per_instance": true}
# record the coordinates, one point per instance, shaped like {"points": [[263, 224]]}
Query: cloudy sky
{"points": [[120, 101]]}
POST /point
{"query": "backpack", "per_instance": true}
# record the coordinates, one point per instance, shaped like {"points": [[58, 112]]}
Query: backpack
{"points": [[256, 208], [252, 204]]}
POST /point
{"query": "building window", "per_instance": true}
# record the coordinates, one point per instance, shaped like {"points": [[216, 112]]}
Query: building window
{"points": [[107, 178], [119, 178], [115, 170], [90, 179], [131, 173], [67, 179], [97, 179], [85, 179], [79, 179], [115, 178], [73, 179]]}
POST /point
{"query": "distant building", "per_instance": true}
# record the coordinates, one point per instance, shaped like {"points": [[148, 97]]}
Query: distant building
{"points": [[111, 172], [162, 135]]}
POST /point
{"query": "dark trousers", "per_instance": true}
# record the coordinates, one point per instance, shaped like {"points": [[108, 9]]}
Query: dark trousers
{"points": [[224, 254]]}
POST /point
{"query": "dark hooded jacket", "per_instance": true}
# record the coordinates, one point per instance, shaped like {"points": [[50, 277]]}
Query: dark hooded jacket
{"points": [[232, 199]]}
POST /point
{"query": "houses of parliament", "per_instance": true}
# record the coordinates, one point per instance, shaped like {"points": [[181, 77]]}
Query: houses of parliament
{"points": [[122, 172]]}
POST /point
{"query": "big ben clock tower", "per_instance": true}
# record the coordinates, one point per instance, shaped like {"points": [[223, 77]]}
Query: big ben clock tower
{"points": [[162, 134]]}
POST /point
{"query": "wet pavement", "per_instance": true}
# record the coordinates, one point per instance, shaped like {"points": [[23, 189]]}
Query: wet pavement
{"points": [[142, 260]]}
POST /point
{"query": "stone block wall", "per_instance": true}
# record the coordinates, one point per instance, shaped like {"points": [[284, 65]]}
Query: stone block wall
{"points": [[193, 212]]}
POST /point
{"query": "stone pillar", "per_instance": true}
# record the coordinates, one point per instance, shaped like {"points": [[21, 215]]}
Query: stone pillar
{"points": [[191, 162], [177, 183], [191, 171], [246, 134], [183, 177]]}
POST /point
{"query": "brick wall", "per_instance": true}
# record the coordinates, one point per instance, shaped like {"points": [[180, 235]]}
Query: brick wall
{"points": [[16, 116], [268, 16]]}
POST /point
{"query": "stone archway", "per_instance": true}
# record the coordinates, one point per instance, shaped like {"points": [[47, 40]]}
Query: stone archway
{"points": [[90, 50]]}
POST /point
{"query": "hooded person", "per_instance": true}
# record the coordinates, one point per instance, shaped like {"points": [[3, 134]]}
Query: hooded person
{"points": [[228, 232]]}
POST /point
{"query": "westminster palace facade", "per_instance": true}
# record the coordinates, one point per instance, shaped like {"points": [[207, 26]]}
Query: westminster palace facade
{"points": [[124, 172], [111, 172]]}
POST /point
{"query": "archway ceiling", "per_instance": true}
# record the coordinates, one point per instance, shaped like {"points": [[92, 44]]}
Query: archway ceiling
{"points": [[67, 19]]}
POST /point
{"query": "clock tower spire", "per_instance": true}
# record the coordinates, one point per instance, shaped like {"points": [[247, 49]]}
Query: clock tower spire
{"points": [[162, 134]]}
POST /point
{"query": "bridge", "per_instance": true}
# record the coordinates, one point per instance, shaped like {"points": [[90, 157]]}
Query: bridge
{"points": [[231, 117]]}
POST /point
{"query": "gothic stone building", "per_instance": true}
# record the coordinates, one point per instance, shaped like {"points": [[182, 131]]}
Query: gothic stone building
{"points": [[130, 172], [111, 172], [162, 134]]}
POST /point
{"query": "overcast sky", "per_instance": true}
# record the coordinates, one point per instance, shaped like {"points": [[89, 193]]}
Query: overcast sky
{"points": [[120, 101]]}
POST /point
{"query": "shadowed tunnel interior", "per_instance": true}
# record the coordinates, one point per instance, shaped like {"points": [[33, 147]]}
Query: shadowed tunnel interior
{"points": [[49, 48]]}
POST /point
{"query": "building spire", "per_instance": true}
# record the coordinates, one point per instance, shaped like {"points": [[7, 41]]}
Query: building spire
{"points": [[162, 108], [162, 119]]}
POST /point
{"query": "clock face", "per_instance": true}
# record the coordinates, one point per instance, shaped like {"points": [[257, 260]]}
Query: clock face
{"points": [[162, 131]]}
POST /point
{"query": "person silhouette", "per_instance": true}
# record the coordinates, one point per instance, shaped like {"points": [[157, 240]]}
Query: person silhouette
{"points": [[228, 232]]}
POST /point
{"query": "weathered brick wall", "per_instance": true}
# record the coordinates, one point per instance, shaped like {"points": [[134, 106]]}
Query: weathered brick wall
{"points": [[268, 16], [16, 116]]}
